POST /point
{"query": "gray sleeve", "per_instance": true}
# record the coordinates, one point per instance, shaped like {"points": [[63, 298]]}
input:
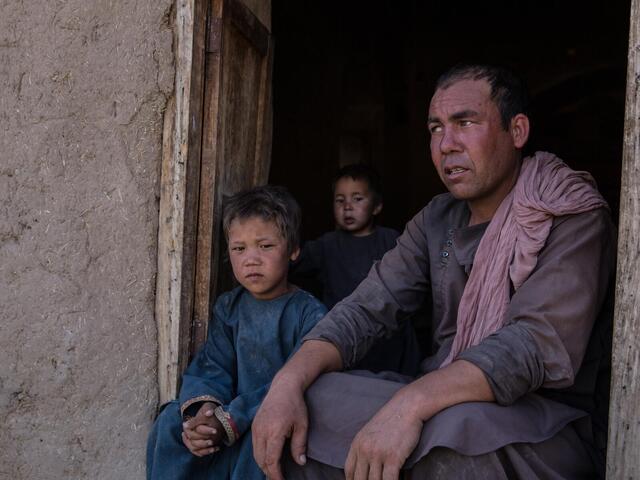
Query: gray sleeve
{"points": [[550, 317], [394, 287]]}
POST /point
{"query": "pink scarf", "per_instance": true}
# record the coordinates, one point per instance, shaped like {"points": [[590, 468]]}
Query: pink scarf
{"points": [[546, 188]]}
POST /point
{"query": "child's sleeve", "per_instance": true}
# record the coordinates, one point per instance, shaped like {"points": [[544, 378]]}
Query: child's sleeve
{"points": [[211, 376], [313, 312], [242, 409], [236, 416]]}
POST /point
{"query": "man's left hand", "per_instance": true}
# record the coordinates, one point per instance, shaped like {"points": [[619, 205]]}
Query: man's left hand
{"points": [[386, 441], [382, 446]]}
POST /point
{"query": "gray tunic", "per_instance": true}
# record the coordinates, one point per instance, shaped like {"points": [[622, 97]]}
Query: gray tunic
{"points": [[554, 342], [340, 260]]}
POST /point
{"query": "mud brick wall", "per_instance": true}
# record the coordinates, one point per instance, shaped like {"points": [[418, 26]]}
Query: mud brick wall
{"points": [[83, 87]]}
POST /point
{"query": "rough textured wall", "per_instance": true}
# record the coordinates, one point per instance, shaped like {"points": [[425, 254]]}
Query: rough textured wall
{"points": [[83, 86]]}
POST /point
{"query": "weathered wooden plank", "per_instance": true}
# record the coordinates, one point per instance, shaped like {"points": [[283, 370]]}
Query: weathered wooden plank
{"points": [[168, 261], [242, 69], [623, 458], [193, 181], [178, 199], [208, 216], [265, 121], [248, 24], [214, 34], [261, 9], [235, 143]]}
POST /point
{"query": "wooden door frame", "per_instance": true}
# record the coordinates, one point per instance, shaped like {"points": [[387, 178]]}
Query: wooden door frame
{"points": [[190, 192], [213, 161], [623, 456], [181, 184], [179, 197]]}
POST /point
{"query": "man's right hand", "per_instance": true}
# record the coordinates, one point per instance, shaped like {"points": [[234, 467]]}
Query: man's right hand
{"points": [[283, 415]]}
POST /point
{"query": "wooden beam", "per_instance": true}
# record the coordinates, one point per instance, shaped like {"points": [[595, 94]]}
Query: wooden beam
{"points": [[623, 457], [248, 24], [209, 221], [179, 191], [265, 121]]}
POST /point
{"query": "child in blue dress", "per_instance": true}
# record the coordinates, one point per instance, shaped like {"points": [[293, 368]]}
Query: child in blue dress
{"points": [[253, 331]]}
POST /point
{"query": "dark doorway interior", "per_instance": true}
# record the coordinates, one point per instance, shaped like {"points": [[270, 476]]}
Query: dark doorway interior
{"points": [[352, 82]]}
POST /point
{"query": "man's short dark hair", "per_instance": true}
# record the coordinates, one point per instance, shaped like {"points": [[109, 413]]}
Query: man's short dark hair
{"points": [[360, 171], [508, 91], [270, 203]]}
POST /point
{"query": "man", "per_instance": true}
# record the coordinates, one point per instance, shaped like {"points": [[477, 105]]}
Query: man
{"points": [[517, 259]]}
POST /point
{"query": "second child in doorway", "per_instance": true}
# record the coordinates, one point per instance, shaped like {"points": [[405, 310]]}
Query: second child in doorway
{"points": [[339, 260]]}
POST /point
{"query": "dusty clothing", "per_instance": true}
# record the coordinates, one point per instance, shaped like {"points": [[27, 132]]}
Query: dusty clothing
{"points": [[339, 261], [248, 341], [546, 345], [562, 456], [508, 252], [340, 404]]}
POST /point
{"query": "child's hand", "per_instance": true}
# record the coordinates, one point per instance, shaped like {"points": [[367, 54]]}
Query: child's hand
{"points": [[203, 434]]}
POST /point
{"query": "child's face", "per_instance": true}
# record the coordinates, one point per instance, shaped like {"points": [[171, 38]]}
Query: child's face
{"points": [[354, 206], [259, 257]]}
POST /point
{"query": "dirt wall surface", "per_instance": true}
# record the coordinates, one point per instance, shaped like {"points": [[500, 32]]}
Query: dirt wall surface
{"points": [[83, 86]]}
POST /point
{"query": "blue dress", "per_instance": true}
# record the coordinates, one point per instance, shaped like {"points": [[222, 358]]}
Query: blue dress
{"points": [[248, 341]]}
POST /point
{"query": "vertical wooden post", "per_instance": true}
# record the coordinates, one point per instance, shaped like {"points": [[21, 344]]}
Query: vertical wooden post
{"points": [[265, 120], [211, 168], [623, 458], [179, 190]]}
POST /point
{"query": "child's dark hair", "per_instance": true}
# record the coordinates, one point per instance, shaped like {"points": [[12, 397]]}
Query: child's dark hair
{"points": [[360, 171], [269, 202]]}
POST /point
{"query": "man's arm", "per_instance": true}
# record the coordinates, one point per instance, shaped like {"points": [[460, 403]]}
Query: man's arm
{"points": [[551, 316], [283, 413], [382, 446], [459, 382]]}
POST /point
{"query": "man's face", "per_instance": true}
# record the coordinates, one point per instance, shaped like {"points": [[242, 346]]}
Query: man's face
{"points": [[354, 206], [259, 257], [475, 157]]}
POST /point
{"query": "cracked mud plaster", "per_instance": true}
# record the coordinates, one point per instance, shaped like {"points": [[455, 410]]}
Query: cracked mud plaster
{"points": [[83, 87]]}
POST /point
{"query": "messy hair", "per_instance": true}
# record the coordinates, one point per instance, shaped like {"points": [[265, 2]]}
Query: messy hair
{"points": [[270, 203], [507, 90], [360, 171]]}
